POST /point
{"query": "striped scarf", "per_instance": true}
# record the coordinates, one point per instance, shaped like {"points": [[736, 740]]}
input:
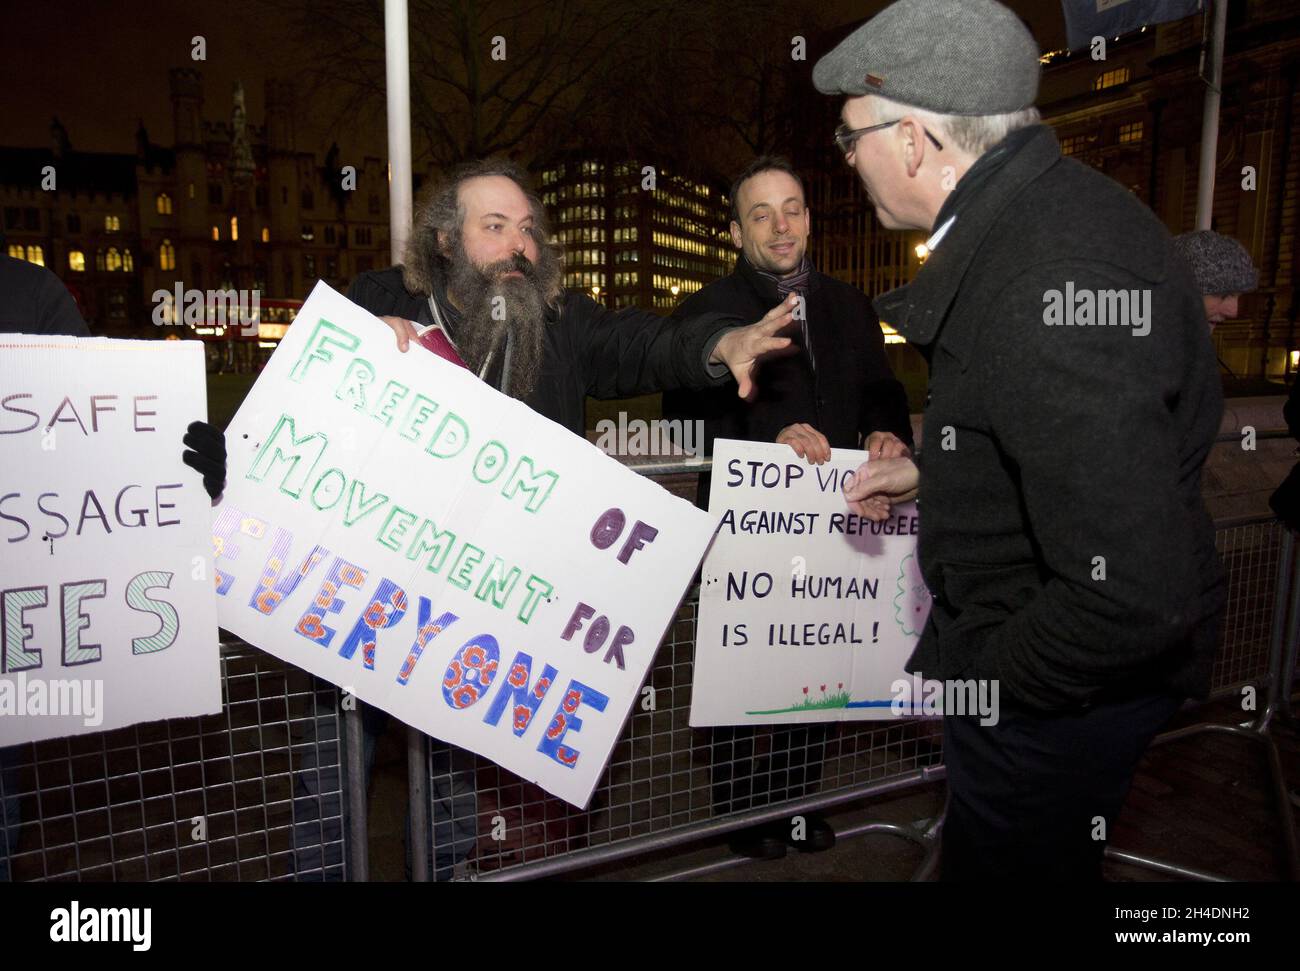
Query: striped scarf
{"points": [[796, 282]]}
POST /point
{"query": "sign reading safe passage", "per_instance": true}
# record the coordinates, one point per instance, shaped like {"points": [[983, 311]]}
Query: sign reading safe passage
{"points": [[399, 528], [105, 579]]}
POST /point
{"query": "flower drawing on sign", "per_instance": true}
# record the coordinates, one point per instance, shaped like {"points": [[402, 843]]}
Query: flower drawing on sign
{"points": [[912, 602], [267, 600], [453, 675], [310, 626], [571, 699]]}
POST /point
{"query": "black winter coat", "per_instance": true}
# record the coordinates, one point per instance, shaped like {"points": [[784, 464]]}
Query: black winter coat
{"points": [[589, 350], [1062, 531], [852, 392]]}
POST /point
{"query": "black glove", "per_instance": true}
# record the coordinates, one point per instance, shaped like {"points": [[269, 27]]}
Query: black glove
{"points": [[208, 456]]}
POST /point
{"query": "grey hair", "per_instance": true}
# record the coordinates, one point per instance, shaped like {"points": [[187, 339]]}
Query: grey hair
{"points": [[440, 212], [972, 134]]}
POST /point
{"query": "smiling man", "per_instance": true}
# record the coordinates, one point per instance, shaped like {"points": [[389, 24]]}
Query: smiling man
{"points": [[837, 392]]}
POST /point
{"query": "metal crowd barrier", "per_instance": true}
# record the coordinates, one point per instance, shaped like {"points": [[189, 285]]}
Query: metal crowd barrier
{"points": [[276, 779], [252, 793], [1256, 662]]}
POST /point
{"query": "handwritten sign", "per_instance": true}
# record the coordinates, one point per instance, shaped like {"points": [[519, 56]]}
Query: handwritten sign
{"points": [[394, 525], [105, 579], [807, 612]]}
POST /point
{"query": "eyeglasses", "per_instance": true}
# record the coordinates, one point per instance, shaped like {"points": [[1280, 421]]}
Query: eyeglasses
{"points": [[846, 138]]}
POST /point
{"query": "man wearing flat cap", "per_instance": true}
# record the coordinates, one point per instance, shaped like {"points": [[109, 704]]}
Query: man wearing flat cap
{"points": [[1073, 398]]}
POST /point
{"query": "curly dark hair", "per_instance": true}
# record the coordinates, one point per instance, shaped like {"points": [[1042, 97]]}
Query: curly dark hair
{"points": [[440, 211]]}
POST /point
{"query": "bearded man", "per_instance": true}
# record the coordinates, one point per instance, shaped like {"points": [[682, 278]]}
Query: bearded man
{"points": [[482, 286]]}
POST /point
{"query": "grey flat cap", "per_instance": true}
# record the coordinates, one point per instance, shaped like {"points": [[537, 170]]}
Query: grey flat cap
{"points": [[1219, 263], [954, 57]]}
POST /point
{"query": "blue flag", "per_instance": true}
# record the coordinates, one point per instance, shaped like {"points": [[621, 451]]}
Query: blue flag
{"points": [[1086, 19]]}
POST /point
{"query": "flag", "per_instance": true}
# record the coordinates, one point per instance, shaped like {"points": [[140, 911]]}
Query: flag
{"points": [[1086, 19]]}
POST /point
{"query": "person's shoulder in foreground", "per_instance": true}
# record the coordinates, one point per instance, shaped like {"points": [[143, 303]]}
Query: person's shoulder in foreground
{"points": [[34, 301]]}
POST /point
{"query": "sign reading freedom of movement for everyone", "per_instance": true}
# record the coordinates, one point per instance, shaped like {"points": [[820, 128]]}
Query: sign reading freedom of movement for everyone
{"points": [[396, 526], [807, 611], [105, 575]]}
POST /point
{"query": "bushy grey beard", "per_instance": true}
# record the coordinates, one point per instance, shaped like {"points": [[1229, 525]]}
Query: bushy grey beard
{"points": [[521, 312]]}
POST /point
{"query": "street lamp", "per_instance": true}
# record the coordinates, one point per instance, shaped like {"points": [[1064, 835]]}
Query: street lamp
{"points": [[675, 289], [595, 292]]}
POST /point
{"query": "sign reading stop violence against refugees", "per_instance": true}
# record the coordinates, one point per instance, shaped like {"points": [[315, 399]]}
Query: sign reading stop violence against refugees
{"points": [[105, 576], [807, 611], [396, 526]]}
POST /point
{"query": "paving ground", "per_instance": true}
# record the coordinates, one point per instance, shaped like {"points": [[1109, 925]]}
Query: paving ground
{"points": [[1201, 802]]}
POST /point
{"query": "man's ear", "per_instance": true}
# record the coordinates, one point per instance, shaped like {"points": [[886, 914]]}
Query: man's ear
{"points": [[737, 237], [914, 144], [442, 243]]}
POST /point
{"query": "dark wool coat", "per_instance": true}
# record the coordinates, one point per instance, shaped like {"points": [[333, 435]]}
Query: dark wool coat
{"points": [[1062, 531], [851, 392]]}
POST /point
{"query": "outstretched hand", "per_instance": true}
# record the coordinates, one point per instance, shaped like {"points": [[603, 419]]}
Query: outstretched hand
{"points": [[744, 348]]}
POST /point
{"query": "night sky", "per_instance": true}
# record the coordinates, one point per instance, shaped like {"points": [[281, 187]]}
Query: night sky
{"points": [[101, 66]]}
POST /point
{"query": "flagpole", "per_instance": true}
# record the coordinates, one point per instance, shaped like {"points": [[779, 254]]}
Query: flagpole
{"points": [[397, 61], [1210, 118]]}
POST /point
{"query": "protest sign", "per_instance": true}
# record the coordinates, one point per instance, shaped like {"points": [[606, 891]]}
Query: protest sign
{"points": [[807, 612], [105, 582], [435, 548]]}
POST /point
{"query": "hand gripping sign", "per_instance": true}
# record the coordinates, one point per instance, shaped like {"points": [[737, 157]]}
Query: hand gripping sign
{"points": [[396, 526]]}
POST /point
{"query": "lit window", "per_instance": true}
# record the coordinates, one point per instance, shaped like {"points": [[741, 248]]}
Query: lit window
{"points": [[1130, 133], [128, 261], [1072, 145], [36, 254], [216, 233], [16, 252], [190, 190], [1111, 78], [111, 224], [164, 204], [113, 262], [266, 234], [234, 229], [76, 261], [166, 256], [308, 234]]}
